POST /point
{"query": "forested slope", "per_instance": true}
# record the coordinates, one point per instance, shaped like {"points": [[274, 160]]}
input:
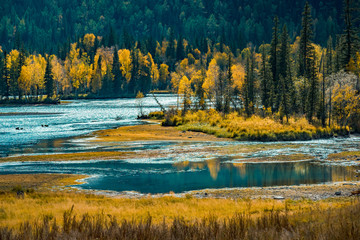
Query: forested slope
{"points": [[45, 25]]}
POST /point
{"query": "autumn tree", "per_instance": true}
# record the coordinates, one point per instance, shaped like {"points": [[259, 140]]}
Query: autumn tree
{"points": [[186, 92], [163, 75]]}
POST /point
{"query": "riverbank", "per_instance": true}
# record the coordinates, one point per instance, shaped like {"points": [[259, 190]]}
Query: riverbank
{"points": [[47, 200], [67, 209], [255, 128]]}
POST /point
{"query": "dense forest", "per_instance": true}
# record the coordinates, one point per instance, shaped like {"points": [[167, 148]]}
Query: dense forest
{"points": [[48, 26], [292, 74]]}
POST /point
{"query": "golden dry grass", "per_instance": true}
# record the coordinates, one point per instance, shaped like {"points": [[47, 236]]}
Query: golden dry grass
{"points": [[253, 128], [351, 156], [34, 206], [68, 157], [150, 132], [37, 181]]}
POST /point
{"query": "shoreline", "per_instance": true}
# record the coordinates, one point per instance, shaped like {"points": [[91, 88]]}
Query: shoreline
{"points": [[67, 183], [155, 132]]}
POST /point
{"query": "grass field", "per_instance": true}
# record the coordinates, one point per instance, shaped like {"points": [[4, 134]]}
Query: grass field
{"points": [[84, 216]]}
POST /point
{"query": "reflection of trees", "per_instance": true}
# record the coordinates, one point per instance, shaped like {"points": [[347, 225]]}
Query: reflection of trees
{"points": [[213, 165], [270, 174]]}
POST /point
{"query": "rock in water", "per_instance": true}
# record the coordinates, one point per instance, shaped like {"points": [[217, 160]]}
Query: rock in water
{"points": [[278, 198]]}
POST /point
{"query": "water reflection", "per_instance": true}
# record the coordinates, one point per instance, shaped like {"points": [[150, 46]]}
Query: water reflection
{"points": [[161, 176]]}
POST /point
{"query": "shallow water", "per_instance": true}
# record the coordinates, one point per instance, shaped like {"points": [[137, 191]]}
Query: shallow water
{"points": [[158, 176], [178, 166], [75, 118]]}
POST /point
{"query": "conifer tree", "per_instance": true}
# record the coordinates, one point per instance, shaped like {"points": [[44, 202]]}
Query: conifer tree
{"points": [[322, 109], [228, 86], [329, 69], [285, 88], [180, 53], [274, 63], [313, 92], [249, 85], [266, 81], [2, 79], [305, 57], [306, 37], [116, 73], [49, 81], [6, 77], [350, 40], [170, 51], [20, 64]]}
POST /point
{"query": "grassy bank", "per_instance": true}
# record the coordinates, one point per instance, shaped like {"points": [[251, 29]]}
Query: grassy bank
{"points": [[68, 157], [150, 132], [254, 128], [61, 216]]}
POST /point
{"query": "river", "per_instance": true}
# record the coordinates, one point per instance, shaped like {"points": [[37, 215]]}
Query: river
{"points": [[177, 166]]}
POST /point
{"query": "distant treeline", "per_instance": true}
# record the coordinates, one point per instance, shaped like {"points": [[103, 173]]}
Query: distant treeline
{"points": [[50, 26], [282, 77]]}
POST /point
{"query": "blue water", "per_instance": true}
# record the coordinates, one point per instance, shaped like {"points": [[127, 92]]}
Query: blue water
{"points": [[78, 117], [179, 166], [160, 176]]}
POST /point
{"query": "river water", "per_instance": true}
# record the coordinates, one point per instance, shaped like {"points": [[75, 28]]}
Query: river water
{"points": [[178, 166]]}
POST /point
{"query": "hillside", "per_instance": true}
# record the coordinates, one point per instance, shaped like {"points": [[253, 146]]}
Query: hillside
{"points": [[45, 25]]}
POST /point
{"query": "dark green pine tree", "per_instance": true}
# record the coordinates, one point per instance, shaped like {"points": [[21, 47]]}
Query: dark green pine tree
{"points": [[144, 80], [305, 53], [112, 38], [313, 95], [266, 81], [132, 85], [13, 78], [337, 60], [49, 80], [306, 37], [116, 74], [286, 86], [228, 86], [21, 63], [170, 51], [180, 53], [329, 59], [322, 105], [2, 79], [5, 75], [350, 42], [249, 86], [274, 63]]}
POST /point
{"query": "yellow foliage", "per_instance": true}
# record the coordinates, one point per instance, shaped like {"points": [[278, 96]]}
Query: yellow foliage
{"points": [[32, 73], [89, 41], [125, 63], [212, 74], [238, 72], [163, 73], [154, 69]]}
